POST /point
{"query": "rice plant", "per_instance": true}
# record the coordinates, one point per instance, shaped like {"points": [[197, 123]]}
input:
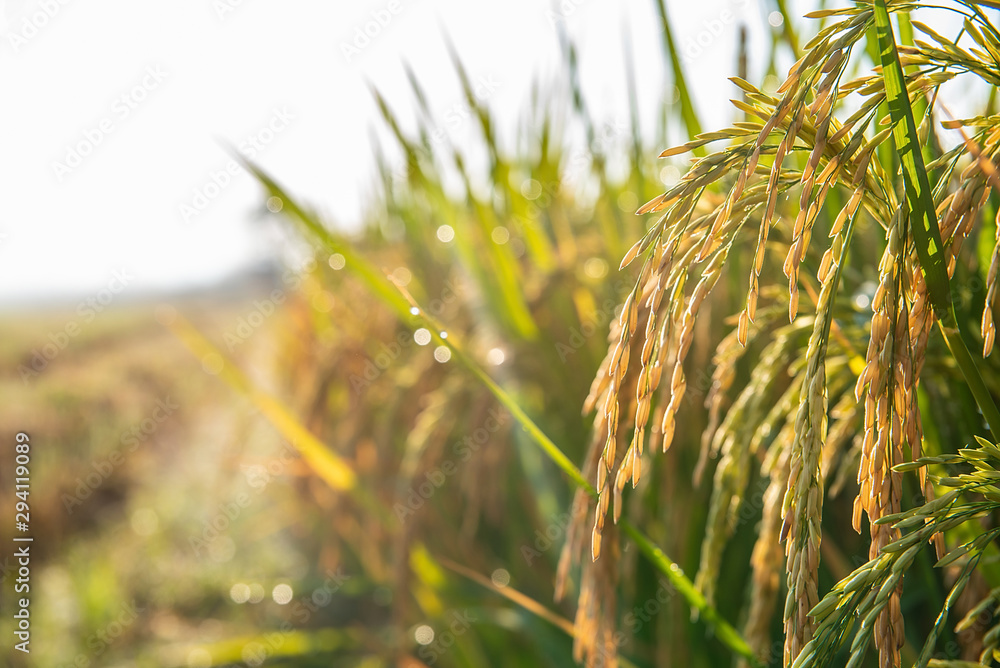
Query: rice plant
{"points": [[794, 146], [813, 412]]}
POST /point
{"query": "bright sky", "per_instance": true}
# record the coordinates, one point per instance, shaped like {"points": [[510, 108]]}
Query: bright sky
{"points": [[115, 112]]}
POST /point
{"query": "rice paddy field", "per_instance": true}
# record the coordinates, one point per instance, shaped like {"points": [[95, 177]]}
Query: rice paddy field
{"points": [[728, 401]]}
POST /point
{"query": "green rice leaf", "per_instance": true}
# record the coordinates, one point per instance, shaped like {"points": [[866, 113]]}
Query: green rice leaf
{"points": [[923, 217]]}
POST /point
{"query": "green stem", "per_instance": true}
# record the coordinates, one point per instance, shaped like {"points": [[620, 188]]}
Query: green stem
{"points": [[726, 633], [688, 114], [723, 629], [953, 337], [924, 224], [414, 317]]}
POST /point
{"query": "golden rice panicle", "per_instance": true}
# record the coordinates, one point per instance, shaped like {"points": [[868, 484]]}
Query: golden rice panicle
{"points": [[839, 435], [906, 374], [889, 628], [802, 507], [766, 559], [594, 623], [618, 388], [602, 380], [723, 214], [617, 368], [799, 232], [809, 206], [750, 311], [880, 385], [961, 215], [592, 614], [654, 347], [596, 604], [921, 321], [727, 354], [596, 612], [977, 179], [781, 110], [921, 318], [988, 326], [801, 78], [601, 384], [685, 336], [735, 448], [670, 331], [575, 530]]}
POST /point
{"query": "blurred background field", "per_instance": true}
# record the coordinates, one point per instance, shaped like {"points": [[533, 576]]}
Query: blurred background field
{"points": [[136, 450]]}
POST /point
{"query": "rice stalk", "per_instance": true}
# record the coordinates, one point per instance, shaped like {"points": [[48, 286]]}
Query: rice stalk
{"points": [[733, 444], [792, 144], [599, 588], [867, 593], [802, 507], [767, 558], [926, 232]]}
